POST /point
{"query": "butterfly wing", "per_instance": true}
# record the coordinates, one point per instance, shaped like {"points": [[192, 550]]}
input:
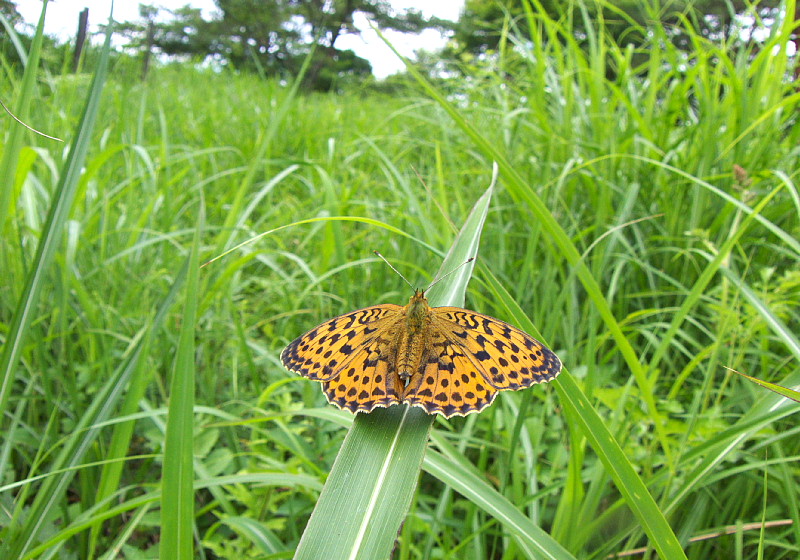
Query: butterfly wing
{"points": [[367, 381], [350, 355], [467, 358], [447, 381], [327, 349], [508, 358]]}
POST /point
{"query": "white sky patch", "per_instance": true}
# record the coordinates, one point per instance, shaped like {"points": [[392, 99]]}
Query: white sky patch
{"points": [[62, 21]]}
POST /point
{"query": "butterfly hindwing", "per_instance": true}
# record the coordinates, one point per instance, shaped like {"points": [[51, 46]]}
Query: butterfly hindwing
{"points": [[447, 382], [369, 380]]}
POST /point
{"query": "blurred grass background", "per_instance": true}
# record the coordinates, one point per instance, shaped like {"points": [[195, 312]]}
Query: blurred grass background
{"points": [[650, 170]]}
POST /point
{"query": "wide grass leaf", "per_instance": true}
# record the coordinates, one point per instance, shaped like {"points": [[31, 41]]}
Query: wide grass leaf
{"points": [[370, 487]]}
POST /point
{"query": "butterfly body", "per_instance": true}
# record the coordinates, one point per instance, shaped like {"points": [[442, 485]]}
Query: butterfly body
{"points": [[446, 360], [412, 338]]}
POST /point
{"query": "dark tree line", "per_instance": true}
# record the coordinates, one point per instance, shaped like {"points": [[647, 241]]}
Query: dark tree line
{"points": [[481, 23], [275, 37], [272, 37]]}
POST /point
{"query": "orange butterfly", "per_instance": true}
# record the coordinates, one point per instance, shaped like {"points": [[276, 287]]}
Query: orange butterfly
{"points": [[445, 360]]}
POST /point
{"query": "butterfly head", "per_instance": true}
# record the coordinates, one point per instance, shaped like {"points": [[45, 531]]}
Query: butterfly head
{"points": [[417, 310], [418, 300]]}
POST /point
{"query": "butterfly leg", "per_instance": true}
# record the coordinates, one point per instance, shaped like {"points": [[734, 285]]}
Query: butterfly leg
{"points": [[410, 385], [394, 386]]}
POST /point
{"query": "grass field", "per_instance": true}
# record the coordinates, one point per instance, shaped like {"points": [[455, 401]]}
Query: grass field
{"points": [[645, 220]]}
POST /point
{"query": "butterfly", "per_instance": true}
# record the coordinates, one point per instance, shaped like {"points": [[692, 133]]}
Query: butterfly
{"points": [[445, 360]]}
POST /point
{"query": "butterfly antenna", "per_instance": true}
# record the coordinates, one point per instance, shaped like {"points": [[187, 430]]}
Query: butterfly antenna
{"points": [[437, 280], [393, 268]]}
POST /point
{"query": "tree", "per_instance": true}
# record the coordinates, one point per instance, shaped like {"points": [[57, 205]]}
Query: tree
{"points": [[12, 52], [479, 28], [329, 20], [252, 33], [275, 37], [8, 9], [185, 33]]}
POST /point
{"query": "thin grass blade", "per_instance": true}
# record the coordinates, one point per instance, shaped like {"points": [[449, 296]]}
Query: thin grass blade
{"points": [[564, 246], [531, 538], [53, 228], [698, 289], [788, 393], [177, 504], [8, 165], [629, 483], [636, 494]]}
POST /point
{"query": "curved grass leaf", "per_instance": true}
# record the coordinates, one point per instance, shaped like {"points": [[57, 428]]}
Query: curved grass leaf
{"points": [[23, 534], [530, 538], [625, 477], [369, 489], [636, 494]]}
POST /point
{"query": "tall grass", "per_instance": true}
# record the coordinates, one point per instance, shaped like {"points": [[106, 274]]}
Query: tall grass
{"points": [[646, 223]]}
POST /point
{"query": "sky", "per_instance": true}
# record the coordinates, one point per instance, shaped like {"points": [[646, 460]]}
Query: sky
{"points": [[62, 20]]}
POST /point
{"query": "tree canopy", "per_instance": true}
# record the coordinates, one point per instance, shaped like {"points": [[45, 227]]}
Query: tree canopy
{"points": [[273, 37], [481, 24]]}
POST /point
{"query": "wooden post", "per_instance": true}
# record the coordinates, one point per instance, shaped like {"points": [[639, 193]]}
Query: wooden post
{"points": [[83, 24]]}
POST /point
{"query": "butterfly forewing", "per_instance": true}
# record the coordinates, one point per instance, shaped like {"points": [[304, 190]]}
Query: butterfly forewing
{"points": [[326, 350], [508, 358]]}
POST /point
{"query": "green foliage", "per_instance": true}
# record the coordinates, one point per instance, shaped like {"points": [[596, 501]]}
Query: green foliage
{"points": [[8, 10], [646, 222], [481, 25], [272, 37]]}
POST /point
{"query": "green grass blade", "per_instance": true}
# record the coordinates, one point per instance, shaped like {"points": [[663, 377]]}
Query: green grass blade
{"points": [[370, 486], [764, 412], [637, 496], [177, 503], [123, 433], [788, 393], [262, 538], [8, 164], [698, 289], [104, 404], [775, 324], [629, 483], [564, 246], [369, 489], [52, 234], [53, 228], [262, 153], [52, 491], [533, 540]]}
